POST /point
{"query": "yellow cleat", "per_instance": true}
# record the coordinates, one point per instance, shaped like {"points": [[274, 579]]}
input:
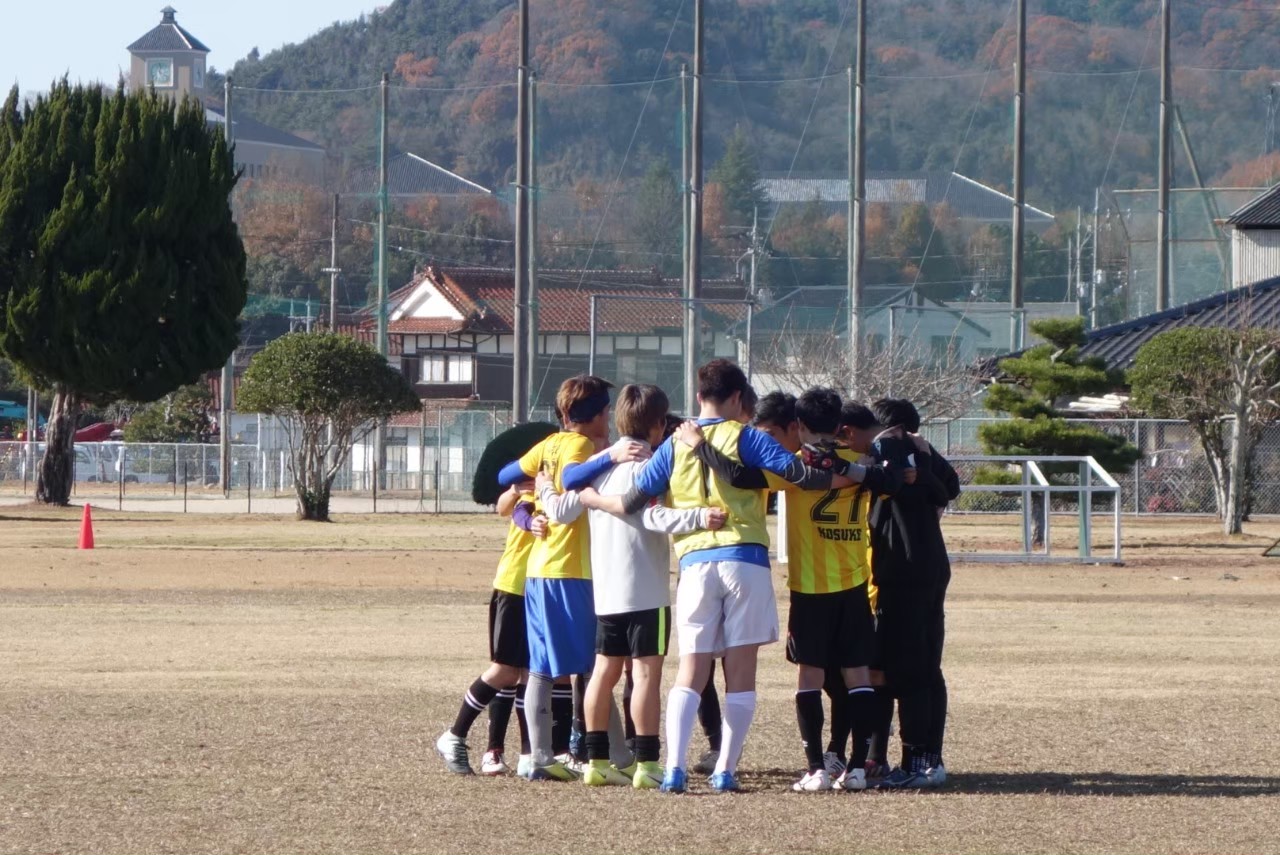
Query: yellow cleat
{"points": [[556, 771], [648, 776], [600, 774]]}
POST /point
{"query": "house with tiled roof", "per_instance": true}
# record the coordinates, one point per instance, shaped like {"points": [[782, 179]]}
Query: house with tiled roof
{"points": [[452, 328], [171, 60], [1255, 306]]}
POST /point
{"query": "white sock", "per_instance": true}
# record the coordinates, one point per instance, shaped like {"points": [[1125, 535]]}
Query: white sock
{"points": [[682, 712], [739, 709]]}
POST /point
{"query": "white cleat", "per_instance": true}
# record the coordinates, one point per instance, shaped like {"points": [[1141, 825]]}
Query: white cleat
{"points": [[833, 764], [813, 782], [493, 763], [525, 766], [936, 776], [453, 750], [853, 780]]}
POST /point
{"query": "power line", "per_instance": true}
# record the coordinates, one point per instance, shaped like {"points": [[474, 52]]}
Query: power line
{"points": [[635, 132], [964, 141]]}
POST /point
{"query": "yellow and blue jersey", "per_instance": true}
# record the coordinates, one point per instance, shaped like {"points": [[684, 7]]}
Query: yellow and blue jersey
{"points": [[676, 472]]}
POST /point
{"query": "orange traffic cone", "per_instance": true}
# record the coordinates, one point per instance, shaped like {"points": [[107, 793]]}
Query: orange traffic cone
{"points": [[86, 529]]}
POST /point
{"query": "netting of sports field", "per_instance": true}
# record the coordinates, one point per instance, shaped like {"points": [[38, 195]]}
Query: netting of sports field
{"points": [[608, 162]]}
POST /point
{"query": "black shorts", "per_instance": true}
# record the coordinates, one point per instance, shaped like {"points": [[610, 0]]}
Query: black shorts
{"points": [[831, 630], [508, 640], [634, 634]]}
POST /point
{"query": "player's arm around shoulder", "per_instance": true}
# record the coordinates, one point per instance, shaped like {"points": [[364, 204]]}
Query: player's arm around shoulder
{"points": [[560, 508], [666, 520]]}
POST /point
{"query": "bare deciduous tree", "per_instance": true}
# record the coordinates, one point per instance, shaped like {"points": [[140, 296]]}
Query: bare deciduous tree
{"points": [[941, 385]]}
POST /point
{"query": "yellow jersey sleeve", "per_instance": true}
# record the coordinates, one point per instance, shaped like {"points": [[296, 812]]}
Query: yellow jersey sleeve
{"points": [[531, 462]]}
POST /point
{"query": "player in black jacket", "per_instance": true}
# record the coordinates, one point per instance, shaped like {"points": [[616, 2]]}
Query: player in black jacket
{"points": [[911, 571]]}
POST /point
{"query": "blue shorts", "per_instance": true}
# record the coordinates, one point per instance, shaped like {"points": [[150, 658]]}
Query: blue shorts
{"points": [[561, 620]]}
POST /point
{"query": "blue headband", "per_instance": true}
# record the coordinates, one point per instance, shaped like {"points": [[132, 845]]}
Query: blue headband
{"points": [[586, 410]]}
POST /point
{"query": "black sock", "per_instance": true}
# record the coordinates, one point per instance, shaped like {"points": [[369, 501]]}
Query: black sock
{"points": [[561, 718], [809, 716], [883, 722], [938, 719], [709, 711], [915, 712], [840, 721], [647, 748], [580, 702], [861, 702], [628, 723], [597, 745], [500, 717], [525, 747], [473, 703]]}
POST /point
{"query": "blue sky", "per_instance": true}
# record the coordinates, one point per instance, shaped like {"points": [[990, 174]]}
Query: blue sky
{"points": [[87, 38]]}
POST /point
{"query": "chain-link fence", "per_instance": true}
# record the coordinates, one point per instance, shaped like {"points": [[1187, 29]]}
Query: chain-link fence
{"points": [[1172, 475], [431, 458]]}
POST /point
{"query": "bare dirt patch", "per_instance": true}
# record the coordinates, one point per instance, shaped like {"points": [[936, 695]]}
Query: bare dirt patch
{"points": [[239, 684]]}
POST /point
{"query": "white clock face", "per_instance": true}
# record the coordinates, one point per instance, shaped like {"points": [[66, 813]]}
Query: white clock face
{"points": [[160, 72]]}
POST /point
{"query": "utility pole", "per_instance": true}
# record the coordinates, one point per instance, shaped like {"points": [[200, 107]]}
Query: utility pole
{"points": [[693, 287], [684, 182], [1078, 281], [382, 222], [333, 269], [1165, 165], [229, 369], [1019, 181], [1097, 270], [380, 431], [857, 217], [532, 357], [520, 326]]}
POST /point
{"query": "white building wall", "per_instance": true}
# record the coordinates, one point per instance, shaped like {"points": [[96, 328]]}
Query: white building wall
{"points": [[1255, 255]]}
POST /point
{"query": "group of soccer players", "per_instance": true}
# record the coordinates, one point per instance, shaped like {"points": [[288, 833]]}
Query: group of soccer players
{"points": [[582, 598]]}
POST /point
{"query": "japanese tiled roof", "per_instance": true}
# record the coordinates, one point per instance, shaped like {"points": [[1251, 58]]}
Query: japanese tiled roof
{"points": [[485, 299]]}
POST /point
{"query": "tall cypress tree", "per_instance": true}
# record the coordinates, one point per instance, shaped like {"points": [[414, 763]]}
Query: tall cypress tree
{"points": [[122, 273]]}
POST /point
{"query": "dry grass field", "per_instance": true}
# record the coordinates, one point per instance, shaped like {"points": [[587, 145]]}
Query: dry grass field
{"points": [[233, 684]]}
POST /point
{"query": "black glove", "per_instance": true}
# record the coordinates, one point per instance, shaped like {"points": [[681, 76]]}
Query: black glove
{"points": [[824, 456]]}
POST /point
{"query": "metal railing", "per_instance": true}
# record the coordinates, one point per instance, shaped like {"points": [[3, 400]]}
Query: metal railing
{"points": [[1037, 493]]}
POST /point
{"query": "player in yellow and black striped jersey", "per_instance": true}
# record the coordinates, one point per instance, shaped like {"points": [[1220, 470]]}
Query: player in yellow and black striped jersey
{"points": [[830, 623]]}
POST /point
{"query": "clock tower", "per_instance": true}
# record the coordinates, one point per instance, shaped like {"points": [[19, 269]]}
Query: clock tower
{"points": [[170, 59]]}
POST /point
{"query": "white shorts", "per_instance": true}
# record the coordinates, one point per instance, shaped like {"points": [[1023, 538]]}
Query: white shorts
{"points": [[723, 604]]}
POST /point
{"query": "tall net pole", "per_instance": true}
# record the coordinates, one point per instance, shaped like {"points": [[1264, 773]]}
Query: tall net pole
{"points": [[1164, 165], [693, 286], [228, 370], [520, 325], [857, 195], [380, 431], [1019, 181]]}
